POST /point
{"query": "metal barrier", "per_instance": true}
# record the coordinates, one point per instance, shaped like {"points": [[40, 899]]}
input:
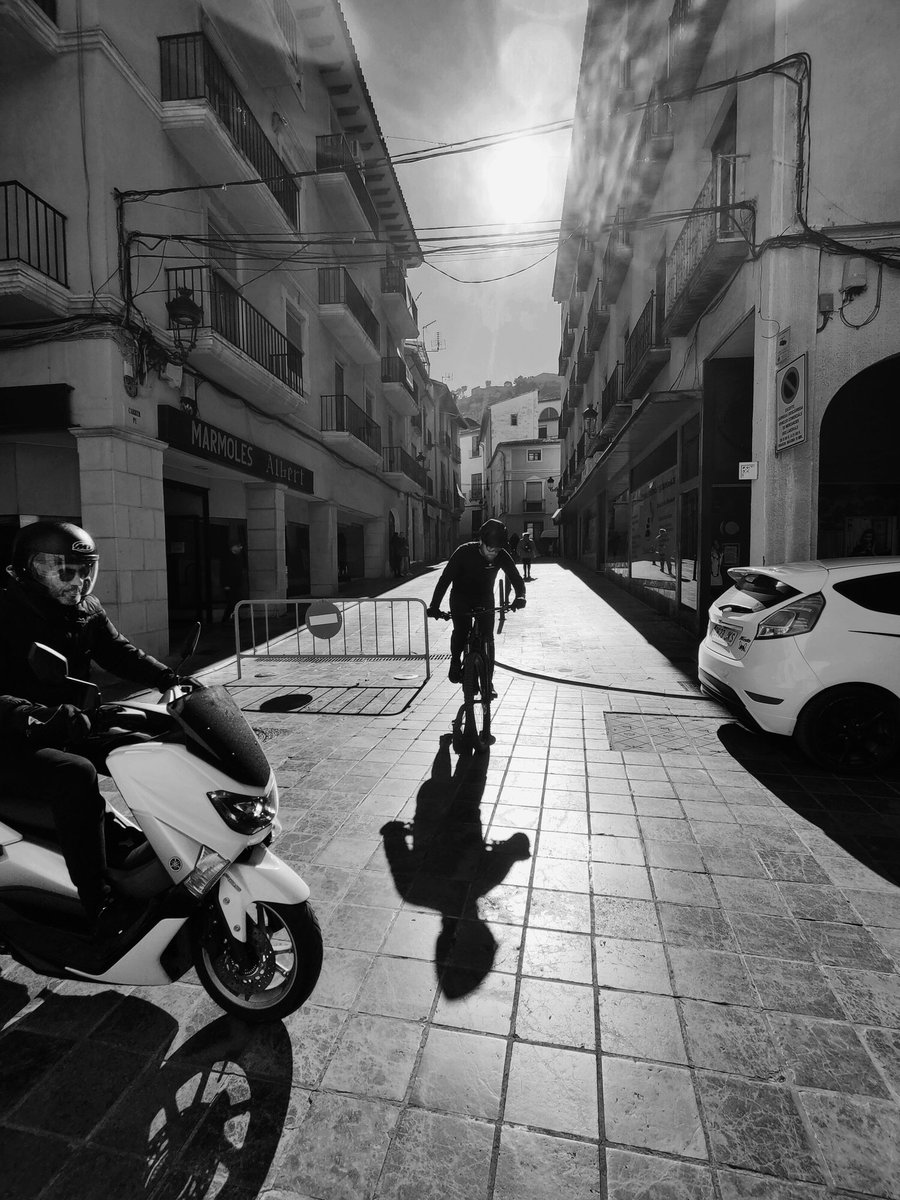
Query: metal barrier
{"points": [[389, 630]]}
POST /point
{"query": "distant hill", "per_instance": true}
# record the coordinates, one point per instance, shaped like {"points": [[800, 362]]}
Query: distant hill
{"points": [[472, 404]]}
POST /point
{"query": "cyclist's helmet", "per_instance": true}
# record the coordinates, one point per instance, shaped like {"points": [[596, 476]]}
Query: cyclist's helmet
{"points": [[493, 534], [58, 559]]}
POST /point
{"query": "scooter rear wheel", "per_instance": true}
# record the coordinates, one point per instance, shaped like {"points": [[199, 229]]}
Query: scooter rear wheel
{"points": [[276, 973]]}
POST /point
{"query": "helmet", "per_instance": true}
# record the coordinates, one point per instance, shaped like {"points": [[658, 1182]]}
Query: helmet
{"points": [[493, 533], [59, 558]]}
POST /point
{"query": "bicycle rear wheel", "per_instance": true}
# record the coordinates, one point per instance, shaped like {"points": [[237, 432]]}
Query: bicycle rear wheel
{"points": [[477, 695]]}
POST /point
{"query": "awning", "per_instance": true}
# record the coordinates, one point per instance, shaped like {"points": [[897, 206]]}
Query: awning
{"points": [[557, 516], [548, 535]]}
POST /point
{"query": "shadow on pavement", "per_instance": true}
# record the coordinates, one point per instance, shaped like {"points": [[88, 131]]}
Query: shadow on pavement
{"points": [[91, 1108], [861, 813], [440, 860]]}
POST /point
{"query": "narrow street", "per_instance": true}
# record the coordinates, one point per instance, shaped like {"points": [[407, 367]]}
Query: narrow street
{"points": [[633, 951]]}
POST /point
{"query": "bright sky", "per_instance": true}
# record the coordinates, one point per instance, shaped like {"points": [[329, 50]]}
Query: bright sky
{"points": [[447, 70]]}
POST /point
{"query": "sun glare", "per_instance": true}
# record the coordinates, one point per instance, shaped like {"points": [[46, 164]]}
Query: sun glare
{"points": [[517, 180]]}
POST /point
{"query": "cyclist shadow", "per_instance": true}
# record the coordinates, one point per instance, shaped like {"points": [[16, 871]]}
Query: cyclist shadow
{"points": [[441, 860]]}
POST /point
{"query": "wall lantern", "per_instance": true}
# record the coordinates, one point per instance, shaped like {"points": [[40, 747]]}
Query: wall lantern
{"points": [[589, 416], [185, 316]]}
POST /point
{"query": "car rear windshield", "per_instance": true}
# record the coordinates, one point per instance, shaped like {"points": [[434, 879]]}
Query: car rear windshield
{"points": [[761, 590]]}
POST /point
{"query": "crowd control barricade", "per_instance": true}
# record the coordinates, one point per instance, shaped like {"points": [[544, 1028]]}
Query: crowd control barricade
{"points": [[333, 632]]}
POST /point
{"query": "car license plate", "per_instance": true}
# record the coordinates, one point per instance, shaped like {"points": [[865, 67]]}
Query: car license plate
{"points": [[725, 634]]}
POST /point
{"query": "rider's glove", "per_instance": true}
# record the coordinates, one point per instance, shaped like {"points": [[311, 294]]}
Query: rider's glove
{"points": [[519, 602], [170, 680], [55, 727], [434, 611]]}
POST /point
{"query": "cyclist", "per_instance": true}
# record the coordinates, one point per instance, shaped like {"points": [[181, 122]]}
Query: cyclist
{"points": [[470, 573]]}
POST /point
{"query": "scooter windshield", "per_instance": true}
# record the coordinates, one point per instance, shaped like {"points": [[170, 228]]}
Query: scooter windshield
{"points": [[216, 727]]}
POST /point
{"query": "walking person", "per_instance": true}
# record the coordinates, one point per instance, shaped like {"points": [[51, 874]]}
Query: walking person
{"points": [[661, 546], [526, 555]]}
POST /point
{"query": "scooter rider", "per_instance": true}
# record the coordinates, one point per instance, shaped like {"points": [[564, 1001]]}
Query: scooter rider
{"points": [[471, 572], [46, 597]]}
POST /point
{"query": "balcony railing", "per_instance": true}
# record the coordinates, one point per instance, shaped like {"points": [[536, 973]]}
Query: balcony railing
{"points": [[646, 350], [598, 318], [616, 259], [476, 492], [584, 364], [32, 232], [613, 393], [333, 153], [337, 287], [692, 26], [393, 280], [398, 461], [584, 267], [191, 70], [715, 238], [227, 313], [341, 415], [395, 370]]}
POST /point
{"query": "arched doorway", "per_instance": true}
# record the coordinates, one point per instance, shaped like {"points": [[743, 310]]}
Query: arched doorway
{"points": [[859, 465]]}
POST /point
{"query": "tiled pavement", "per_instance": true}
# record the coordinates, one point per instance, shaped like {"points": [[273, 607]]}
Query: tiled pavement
{"points": [[632, 952]]}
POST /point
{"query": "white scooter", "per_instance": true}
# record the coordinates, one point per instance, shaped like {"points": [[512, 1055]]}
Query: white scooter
{"points": [[194, 851]]}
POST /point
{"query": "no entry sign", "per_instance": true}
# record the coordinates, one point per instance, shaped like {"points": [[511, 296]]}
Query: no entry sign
{"points": [[323, 619]]}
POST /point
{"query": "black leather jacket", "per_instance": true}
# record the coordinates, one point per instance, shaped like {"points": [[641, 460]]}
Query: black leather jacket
{"points": [[83, 633]]}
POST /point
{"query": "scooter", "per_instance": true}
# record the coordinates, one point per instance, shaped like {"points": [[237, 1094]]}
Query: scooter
{"points": [[192, 851]]}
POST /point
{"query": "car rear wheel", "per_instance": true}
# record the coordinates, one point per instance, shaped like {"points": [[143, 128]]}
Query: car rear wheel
{"points": [[850, 728]]}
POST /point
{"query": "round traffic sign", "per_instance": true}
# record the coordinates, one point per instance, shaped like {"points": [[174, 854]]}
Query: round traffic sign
{"points": [[323, 619]]}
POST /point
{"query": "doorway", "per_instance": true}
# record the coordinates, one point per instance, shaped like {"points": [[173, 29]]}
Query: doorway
{"points": [[189, 580]]}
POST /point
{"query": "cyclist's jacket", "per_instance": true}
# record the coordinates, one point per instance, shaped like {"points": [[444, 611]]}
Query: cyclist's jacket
{"points": [[471, 577]]}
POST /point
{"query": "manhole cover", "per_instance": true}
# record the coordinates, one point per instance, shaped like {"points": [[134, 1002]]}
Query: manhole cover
{"points": [[664, 734]]}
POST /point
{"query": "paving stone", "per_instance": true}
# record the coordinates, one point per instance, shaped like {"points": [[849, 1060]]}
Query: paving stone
{"points": [[554, 1012], [859, 1139], [711, 975], [731, 1039], [651, 1106], [698, 927], [827, 1055], [796, 987], [632, 1176], [460, 1072], [533, 1166], [552, 1088], [640, 1026]]}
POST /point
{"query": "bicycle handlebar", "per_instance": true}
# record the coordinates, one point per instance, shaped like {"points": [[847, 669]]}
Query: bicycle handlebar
{"points": [[475, 612]]}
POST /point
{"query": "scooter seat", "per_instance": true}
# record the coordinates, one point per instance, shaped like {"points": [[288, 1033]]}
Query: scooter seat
{"points": [[27, 816]]}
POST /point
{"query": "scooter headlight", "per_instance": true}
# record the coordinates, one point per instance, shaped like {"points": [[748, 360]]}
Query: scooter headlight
{"points": [[246, 814]]}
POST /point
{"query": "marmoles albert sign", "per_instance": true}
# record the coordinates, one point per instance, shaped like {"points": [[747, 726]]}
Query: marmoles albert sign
{"points": [[184, 432]]}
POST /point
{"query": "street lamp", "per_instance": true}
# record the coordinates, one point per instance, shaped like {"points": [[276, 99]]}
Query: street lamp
{"points": [[589, 415], [185, 316]]}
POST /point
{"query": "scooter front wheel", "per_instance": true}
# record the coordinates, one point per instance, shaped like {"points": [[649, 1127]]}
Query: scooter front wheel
{"points": [[271, 974]]}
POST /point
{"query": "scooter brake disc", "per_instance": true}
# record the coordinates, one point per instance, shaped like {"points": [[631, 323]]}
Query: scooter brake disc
{"points": [[255, 976]]}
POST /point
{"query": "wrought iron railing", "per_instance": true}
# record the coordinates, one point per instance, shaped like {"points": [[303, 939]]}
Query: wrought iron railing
{"points": [[616, 254], [643, 338], [705, 227], [395, 370], [597, 319], [656, 123], [341, 415], [393, 280], [613, 392], [337, 287], [32, 232], [398, 461], [191, 70], [227, 313], [334, 153], [476, 492]]}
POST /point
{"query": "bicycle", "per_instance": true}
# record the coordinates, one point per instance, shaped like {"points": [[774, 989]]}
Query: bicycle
{"points": [[477, 677]]}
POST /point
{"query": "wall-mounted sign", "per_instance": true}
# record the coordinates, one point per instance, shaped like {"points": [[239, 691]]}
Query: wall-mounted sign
{"points": [[790, 404], [184, 432]]}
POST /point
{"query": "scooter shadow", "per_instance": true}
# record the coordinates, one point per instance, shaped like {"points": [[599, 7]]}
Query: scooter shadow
{"points": [[441, 860], [92, 1105]]}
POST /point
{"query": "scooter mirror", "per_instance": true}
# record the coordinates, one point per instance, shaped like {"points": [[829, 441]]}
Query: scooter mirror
{"points": [[48, 664], [189, 645]]}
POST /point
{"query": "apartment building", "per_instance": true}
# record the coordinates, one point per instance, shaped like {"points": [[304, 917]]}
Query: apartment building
{"points": [[204, 307], [729, 292], [519, 437], [471, 479]]}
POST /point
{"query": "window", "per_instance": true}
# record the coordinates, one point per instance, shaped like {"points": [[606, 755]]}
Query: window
{"points": [[879, 593], [476, 487], [542, 432], [534, 455], [289, 368], [514, 419], [534, 496], [221, 254], [476, 448]]}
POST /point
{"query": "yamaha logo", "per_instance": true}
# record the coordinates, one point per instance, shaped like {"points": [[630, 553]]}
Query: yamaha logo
{"points": [[83, 547], [175, 864]]}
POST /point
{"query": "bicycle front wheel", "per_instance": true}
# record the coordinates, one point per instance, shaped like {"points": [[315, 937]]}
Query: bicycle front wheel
{"points": [[477, 694]]}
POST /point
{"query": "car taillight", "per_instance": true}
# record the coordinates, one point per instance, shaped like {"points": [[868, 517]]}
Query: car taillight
{"points": [[798, 617]]}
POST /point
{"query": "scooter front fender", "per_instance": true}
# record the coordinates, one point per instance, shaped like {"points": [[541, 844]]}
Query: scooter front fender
{"points": [[264, 877]]}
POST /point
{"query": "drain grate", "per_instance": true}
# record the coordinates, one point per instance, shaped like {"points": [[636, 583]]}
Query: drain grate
{"points": [[664, 734]]}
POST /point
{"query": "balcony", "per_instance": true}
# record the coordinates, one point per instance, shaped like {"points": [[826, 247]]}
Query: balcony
{"points": [[340, 181], [348, 426], [576, 306], [652, 151], [708, 250], [692, 27], [210, 124], [398, 385], [584, 363], [408, 475], [236, 345], [28, 33], [398, 302], [646, 351], [33, 267], [613, 396], [616, 259], [584, 267], [597, 319], [345, 313]]}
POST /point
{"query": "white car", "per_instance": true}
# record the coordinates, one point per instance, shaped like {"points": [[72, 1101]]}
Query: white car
{"points": [[812, 650]]}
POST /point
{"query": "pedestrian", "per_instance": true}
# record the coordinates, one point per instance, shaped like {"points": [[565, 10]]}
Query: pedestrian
{"points": [[404, 554], [865, 547], [661, 546], [526, 554], [233, 580], [394, 556]]}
